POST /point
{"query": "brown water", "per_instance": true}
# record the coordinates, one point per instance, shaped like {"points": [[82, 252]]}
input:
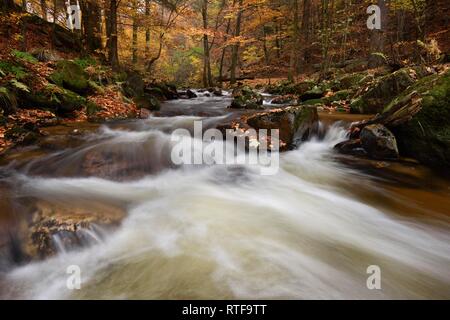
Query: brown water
{"points": [[310, 231]]}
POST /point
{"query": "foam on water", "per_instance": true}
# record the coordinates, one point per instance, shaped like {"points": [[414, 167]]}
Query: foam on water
{"points": [[228, 232]]}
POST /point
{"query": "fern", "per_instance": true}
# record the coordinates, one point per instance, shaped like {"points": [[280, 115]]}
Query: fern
{"points": [[19, 85], [24, 56]]}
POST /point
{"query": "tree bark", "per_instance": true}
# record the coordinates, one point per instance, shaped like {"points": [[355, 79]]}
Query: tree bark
{"points": [[294, 52], [147, 29], [207, 78], [113, 46], [135, 33], [92, 26], [235, 48]]}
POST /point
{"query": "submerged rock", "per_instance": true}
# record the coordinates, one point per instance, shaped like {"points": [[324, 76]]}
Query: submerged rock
{"points": [[379, 142], [245, 98]]}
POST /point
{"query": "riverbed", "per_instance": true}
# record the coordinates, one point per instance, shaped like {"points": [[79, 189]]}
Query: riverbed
{"points": [[227, 232]]}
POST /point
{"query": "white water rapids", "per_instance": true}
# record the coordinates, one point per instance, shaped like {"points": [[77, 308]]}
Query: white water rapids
{"points": [[218, 232], [227, 232]]}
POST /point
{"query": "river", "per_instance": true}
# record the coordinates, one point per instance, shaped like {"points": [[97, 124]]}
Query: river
{"points": [[228, 232]]}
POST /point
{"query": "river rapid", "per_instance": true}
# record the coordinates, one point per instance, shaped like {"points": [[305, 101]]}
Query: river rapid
{"points": [[228, 232]]}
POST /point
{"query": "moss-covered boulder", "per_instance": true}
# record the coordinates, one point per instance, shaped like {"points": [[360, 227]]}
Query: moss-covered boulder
{"points": [[316, 92], [374, 98], [147, 101], [245, 98], [54, 98], [71, 76], [426, 136], [286, 87]]}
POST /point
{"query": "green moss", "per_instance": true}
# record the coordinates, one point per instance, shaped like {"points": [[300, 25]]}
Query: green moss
{"points": [[85, 62], [71, 76], [55, 99], [16, 70], [312, 102], [92, 108], [427, 136], [24, 56]]}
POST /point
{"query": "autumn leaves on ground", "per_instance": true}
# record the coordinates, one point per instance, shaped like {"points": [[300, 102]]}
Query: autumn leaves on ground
{"points": [[320, 54]]}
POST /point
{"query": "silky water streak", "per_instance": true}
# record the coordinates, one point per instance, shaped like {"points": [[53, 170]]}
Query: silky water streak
{"points": [[240, 147]]}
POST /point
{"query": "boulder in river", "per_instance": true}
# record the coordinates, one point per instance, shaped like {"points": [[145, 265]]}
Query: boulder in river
{"points": [[54, 229], [379, 142], [245, 98], [296, 124]]}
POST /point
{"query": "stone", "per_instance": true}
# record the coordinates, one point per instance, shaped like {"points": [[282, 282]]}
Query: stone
{"points": [[379, 142]]}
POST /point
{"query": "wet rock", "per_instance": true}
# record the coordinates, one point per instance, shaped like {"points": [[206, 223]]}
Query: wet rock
{"points": [[379, 142], [147, 101], [245, 98], [351, 147], [191, 94], [217, 92], [287, 99], [295, 124], [144, 113], [54, 229]]}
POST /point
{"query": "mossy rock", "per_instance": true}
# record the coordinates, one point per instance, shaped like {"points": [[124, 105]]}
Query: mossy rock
{"points": [[148, 102], [312, 102], [286, 87], [53, 98], [315, 93], [245, 98], [134, 86], [338, 96], [71, 76], [349, 81], [427, 136], [92, 108], [380, 93]]}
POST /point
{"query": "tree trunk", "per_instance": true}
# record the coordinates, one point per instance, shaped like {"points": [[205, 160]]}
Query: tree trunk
{"points": [[135, 33], [92, 26], [294, 53], [147, 29], [235, 49], [113, 48], [378, 36], [207, 78]]}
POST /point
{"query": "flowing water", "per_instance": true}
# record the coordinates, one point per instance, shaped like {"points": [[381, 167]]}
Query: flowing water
{"points": [[227, 232]]}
